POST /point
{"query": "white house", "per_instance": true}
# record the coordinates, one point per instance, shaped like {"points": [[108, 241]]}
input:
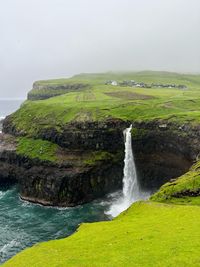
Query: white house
{"points": [[114, 83]]}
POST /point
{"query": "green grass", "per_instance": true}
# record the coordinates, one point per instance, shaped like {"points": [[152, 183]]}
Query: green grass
{"points": [[97, 156], [37, 149], [146, 235], [101, 101], [47, 151], [52, 89], [180, 191]]}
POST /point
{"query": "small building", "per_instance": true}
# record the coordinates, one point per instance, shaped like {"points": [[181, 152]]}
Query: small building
{"points": [[114, 83], [111, 82]]}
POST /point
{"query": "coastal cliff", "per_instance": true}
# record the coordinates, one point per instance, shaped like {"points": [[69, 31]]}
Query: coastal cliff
{"points": [[85, 162], [65, 145], [53, 175]]}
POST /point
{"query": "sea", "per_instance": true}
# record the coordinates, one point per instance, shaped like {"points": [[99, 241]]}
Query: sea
{"points": [[23, 224]]}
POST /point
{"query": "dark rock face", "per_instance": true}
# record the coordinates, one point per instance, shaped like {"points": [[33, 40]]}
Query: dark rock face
{"points": [[107, 135], [187, 193], [68, 187], [41, 92], [164, 151], [8, 174], [1, 125], [104, 135], [66, 184], [8, 127]]}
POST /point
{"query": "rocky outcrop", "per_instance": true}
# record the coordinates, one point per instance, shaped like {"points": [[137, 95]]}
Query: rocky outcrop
{"points": [[163, 150], [67, 184], [43, 91], [89, 135], [75, 182], [68, 187], [1, 124], [104, 135]]}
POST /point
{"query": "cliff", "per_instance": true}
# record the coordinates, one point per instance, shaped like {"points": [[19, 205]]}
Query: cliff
{"points": [[50, 174], [67, 147]]}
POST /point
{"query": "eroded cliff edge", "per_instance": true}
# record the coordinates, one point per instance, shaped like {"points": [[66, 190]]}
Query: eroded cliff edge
{"points": [[88, 160], [87, 166], [65, 145]]}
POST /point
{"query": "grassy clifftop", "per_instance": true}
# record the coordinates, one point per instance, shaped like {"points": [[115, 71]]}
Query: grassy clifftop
{"points": [[98, 101], [147, 234], [185, 189]]}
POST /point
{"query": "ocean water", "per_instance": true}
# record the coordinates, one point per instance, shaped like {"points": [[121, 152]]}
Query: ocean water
{"points": [[7, 106], [23, 224]]}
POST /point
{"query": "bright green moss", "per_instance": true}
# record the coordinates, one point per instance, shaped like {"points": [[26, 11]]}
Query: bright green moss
{"points": [[98, 156], [178, 190], [37, 149]]}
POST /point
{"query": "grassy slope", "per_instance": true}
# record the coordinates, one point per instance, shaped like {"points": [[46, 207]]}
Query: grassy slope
{"points": [[148, 234], [174, 192], [47, 151], [99, 102], [36, 148]]}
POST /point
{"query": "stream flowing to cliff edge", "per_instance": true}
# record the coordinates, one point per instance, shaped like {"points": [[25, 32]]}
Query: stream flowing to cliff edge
{"points": [[131, 189]]}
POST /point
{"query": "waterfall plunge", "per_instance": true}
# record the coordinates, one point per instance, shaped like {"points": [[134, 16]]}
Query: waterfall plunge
{"points": [[131, 191]]}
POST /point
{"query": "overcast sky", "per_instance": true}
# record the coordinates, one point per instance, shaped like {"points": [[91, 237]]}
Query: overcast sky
{"points": [[42, 39]]}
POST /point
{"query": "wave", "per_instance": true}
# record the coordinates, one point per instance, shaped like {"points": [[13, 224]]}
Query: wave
{"points": [[6, 247], [7, 193], [2, 194], [25, 203]]}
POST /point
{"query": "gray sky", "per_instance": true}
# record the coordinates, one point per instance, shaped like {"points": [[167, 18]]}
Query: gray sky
{"points": [[42, 39]]}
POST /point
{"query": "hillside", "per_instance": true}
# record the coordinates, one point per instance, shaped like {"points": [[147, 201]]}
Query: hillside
{"points": [[95, 101]]}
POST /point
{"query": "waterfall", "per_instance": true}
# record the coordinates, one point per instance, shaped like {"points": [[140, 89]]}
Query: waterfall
{"points": [[131, 191]]}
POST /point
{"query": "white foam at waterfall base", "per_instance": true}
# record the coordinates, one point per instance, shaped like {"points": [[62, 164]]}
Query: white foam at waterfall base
{"points": [[131, 190]]}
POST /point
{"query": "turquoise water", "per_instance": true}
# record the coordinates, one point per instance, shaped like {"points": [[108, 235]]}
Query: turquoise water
{"points": [[23, 224]]}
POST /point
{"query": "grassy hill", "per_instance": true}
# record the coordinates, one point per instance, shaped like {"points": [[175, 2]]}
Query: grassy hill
{"points": [[96, 101]]}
